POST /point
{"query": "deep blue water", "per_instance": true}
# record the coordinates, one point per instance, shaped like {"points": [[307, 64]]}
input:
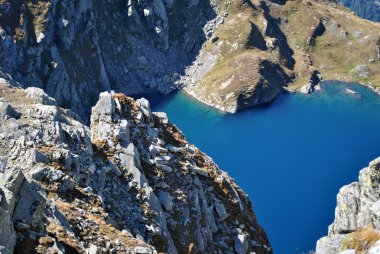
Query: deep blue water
{"points": [[291, 156]]}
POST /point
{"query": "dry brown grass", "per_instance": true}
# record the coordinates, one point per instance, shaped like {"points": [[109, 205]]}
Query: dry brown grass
{"points": [[122, 98], [100, 144], [65, 239], [39, 11], [361, 240], [46, 240]]}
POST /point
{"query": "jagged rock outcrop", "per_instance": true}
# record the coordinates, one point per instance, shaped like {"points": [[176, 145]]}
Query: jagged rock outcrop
{"points": [[77, 49], [357, 216], [129, 183]]}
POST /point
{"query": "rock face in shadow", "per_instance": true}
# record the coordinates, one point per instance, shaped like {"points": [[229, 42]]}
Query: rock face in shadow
{"points": [[357, 215], [76, 49], [129, 183]]}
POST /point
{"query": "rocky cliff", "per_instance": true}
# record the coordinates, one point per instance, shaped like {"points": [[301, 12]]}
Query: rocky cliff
{"points": [[129, 183], [76, 49], [356, 228], [229, 54]]}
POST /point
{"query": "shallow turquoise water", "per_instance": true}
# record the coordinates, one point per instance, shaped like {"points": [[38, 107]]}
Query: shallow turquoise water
{"points": [[291, 156]]}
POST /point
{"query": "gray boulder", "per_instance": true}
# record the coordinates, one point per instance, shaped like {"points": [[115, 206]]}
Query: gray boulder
{"points": [[306, 89], [38, 95], [241, 244], [162, 116], [361, 71], [10, 184], [329, 245]]}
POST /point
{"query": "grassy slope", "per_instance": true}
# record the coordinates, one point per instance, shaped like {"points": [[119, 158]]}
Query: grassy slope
{"points": [[241, 52], [348, 41]]}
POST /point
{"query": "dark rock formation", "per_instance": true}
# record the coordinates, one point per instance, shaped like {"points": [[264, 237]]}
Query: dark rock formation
{"points": [[76, 49]]}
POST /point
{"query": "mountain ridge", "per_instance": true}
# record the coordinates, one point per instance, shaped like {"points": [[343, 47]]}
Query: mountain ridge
{"points": [[74, 51], [129, 183]]}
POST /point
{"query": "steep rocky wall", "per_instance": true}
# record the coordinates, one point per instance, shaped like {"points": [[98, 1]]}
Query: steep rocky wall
{"points": [[357, 216], [129, 183], [76, 49]]}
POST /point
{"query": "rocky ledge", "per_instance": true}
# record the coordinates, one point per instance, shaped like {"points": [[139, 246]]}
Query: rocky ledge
{"points": [[356, 228], [129, 183]]}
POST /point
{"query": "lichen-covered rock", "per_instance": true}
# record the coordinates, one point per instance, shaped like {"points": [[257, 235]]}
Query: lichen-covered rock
{"points": [[329, 244], [129, 183], [356, 215]]}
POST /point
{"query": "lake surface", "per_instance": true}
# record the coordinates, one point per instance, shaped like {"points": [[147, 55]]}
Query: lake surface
{"points": [[291, 156]]}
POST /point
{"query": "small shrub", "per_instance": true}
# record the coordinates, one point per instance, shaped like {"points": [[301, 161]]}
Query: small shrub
{"points": [[361, 240], [100, 144]]}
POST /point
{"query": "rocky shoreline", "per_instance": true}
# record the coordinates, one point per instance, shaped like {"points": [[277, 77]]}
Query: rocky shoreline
{"points": [[236, 55], [235, 76]]}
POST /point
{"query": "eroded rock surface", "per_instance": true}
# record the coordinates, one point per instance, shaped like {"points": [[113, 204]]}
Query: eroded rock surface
{"points": [[129, 183], [357, 216]]}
